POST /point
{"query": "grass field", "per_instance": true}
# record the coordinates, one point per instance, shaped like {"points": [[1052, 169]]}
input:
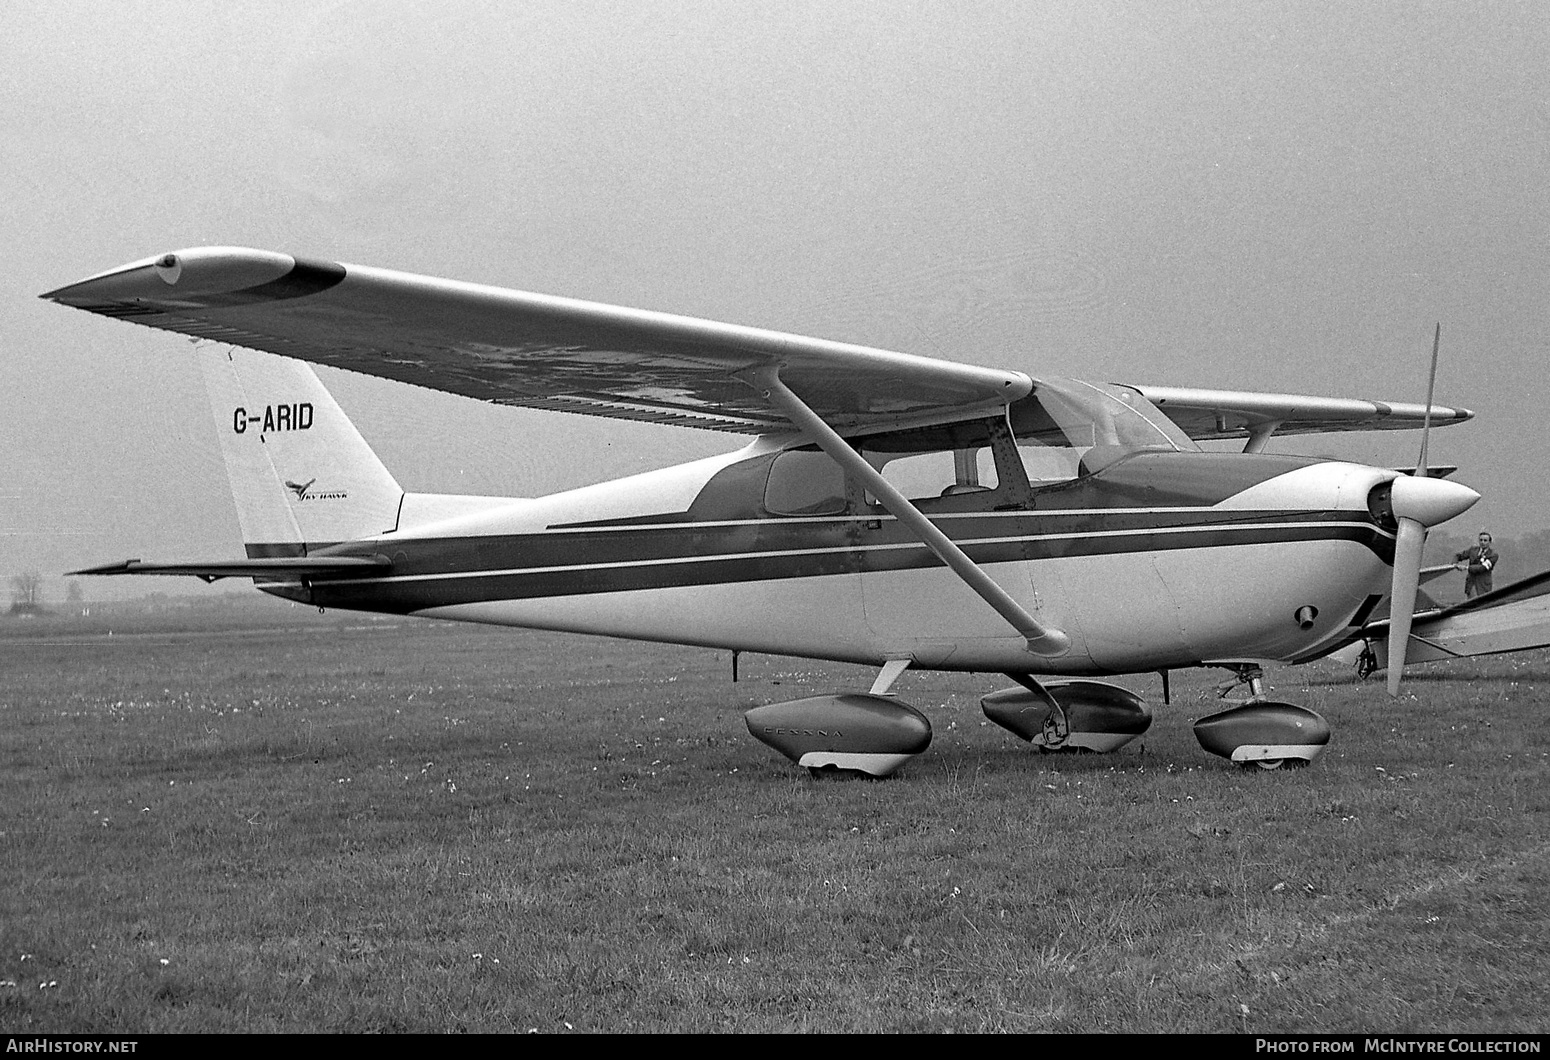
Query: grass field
{"points": [[260, 818]]}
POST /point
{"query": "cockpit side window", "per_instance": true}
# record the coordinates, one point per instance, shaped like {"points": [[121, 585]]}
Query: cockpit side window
{"points": [[939, 473], [967, 466]]}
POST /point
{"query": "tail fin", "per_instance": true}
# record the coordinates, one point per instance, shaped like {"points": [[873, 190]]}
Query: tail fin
{"points": [[302, 475]]}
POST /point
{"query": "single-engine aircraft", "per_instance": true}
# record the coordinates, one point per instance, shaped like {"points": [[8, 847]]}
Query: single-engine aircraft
{"points": [[892, 510]]}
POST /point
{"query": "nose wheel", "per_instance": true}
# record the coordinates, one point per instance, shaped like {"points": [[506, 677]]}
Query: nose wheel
{"points": [[1280, 763]]}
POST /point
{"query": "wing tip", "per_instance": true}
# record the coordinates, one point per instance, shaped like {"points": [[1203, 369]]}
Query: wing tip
{"points": [[122, 567], [192, 272]]}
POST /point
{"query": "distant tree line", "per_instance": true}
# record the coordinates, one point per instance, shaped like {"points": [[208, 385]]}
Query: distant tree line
{"points": [[27, 594]]}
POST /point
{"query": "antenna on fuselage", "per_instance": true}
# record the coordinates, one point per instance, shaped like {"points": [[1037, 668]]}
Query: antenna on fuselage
{"points": [[1431, 387]]}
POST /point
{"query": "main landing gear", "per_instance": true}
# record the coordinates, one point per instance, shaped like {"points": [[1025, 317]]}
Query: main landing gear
{"points": [[850, 733], [1066, 714], [872, 734]]}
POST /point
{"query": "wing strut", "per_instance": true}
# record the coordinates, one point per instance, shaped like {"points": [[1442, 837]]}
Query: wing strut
{"points": [[1042, 640], [1260, 435]]}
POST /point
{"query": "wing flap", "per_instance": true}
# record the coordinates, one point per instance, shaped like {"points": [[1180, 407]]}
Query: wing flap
{"points": [[532, 350]]}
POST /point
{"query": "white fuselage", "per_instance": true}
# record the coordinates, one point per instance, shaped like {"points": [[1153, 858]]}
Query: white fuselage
{"points": [[1269, 571]]}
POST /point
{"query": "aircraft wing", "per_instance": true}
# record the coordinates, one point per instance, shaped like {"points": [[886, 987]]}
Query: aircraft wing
{"points": [[274, 567], [1211, 414], [1515, 617], [532, 350]]}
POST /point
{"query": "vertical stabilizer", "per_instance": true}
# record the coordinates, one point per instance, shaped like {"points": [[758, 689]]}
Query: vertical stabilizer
{"points": [[301, 474]]}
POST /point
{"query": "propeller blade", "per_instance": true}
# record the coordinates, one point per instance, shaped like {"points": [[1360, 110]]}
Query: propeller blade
{"points": [[1416, 507], [1407, 575]]}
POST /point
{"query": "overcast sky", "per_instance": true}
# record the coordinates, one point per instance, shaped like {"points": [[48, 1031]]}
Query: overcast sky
{"points": [[1280, 196]]}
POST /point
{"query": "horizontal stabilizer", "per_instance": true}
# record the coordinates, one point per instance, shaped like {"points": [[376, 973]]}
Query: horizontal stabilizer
{"points": [[279, 566]]}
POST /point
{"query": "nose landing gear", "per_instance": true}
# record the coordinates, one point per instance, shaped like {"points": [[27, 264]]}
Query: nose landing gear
{"points": [[1258, 731]]}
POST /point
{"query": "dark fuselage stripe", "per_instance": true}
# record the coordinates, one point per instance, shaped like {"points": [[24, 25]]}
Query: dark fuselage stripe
{"points": [[1031, 546]]}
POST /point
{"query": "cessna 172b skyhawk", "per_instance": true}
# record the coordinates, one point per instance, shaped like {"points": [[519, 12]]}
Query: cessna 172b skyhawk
{"points": [[891, 510]]}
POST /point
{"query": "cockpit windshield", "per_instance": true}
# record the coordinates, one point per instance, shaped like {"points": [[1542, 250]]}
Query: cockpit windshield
{"points": [[1068, 427]]}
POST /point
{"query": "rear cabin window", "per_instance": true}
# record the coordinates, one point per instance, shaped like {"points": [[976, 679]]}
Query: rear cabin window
{"points": [[804, 482]]}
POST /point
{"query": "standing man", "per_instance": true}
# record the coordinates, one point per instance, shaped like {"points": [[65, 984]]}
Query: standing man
{"points": [[1477, 563]]}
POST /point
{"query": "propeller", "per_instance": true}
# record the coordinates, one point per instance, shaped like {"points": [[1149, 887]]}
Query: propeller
{"points": [[1417, 503]]}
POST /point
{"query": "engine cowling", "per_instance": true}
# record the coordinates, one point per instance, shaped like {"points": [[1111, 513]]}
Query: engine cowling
{"points": [[854, 732], [1099, 716], [1265, 734]]}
